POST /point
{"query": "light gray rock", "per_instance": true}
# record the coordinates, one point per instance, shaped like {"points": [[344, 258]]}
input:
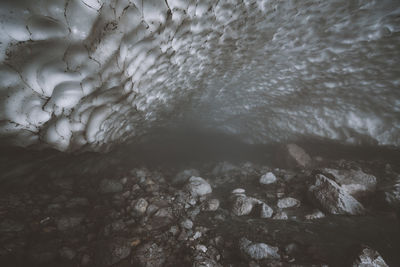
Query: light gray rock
{"points": [[268, 178], [258, 251], [198, 187], [266, 211], [369, 258], [355, 182], [315, 215], [238, 191], [242, 205], [187, 224], [281, 215], [332, 198], [184, 175], [288, 202], [108, 186], [140, 206]]}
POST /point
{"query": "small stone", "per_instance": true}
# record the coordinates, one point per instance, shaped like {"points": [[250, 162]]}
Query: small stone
{"points": [[288, 202], [187, 224], [67, 253], [315, 215], [211, 205], [369, 257], [242, 205], [108, 186], [201, 248], [238, 191], [280, 216], [140, 206], [266, 211], [258, 251], [150, 254], [268, 178], [198, 187]]}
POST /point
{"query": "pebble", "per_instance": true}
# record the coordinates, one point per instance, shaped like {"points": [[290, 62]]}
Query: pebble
{"points": [[140, 206], [280, 216], [258, 251], [187, 224], [242, 205], [211, 205], [288, 202], [268, 178], [198, 187], [266, 211]]}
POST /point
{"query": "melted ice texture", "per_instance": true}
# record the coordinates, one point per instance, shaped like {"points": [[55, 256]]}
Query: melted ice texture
{"points": [[90, 73]]}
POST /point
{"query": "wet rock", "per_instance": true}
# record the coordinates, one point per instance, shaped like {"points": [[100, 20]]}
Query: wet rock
{"points": [[268, 178], [187, 224], [184, 175], [293, 156], [211, 205], [281, 215], [140, 206], [108, 186], [242, 205], [288, 202], [205, 262], [332, 198], [369, 258], [68, 222], [238, 191], [67, 253], [315, 215], [109, 252], [266, 211], [150, 255], [258, 251], [198, 187], [356, 182]]}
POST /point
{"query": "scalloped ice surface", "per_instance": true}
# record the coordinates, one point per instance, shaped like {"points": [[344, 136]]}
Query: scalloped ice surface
{"points": [[92, 73]]}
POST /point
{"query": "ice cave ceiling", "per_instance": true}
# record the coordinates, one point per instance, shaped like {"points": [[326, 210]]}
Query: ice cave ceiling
{"points": [[89, 73]]}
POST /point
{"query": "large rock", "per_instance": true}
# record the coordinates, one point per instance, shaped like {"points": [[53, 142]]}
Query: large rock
{"points": [[355, 182], [258, 251], [242, 204], [293, 156], [332, 198], [369, 258], [288, 202], [184, 175], [198, 187]]}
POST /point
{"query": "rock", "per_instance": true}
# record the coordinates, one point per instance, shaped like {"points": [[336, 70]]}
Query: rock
{"points": [[108, 186], [242, 205], [369, 258], [355, 182], [315, 215], [211, 205], [112, 251], [67, 253], [266, 211], [258, 251], [201, 248], [293, 156], [332, 198], [150, 255], [288, 202], [68, 222], [281, 215], [268, 178], [198, 187], [184, 175], [223, 168], [187, 224], [140, 206], [238, 191]]}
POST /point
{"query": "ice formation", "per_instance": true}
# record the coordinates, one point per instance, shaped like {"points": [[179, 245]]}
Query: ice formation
{"points": [[88, 73]]}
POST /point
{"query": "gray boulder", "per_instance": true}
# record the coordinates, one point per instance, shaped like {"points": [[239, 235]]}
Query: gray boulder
{"points": [[198, 187], [332, 198], [258, 251]]}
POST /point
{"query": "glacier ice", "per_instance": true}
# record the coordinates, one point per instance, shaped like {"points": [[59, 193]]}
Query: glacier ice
{"points": [[88, 73]]}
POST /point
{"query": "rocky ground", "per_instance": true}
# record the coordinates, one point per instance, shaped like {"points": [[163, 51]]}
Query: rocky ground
{"points": [[308, 212]]}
